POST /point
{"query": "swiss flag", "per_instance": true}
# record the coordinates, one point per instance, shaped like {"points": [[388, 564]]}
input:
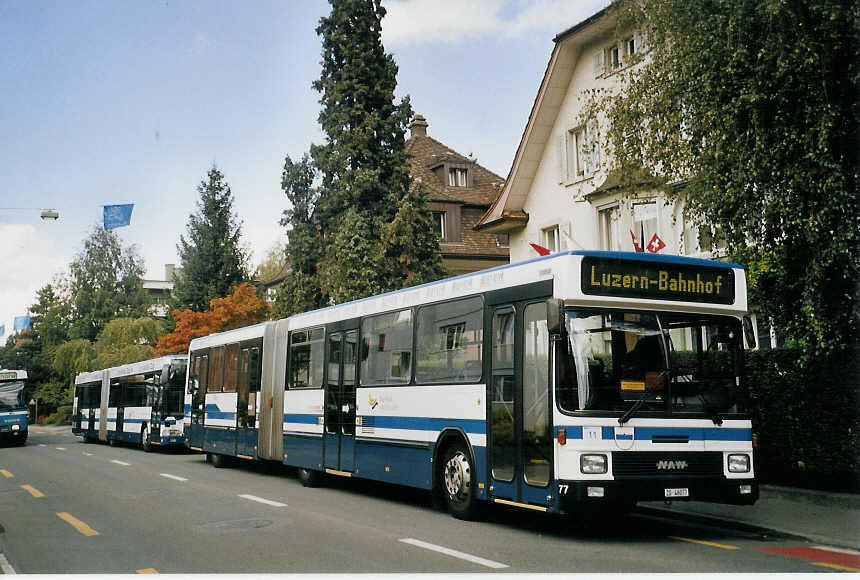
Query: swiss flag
{"points": [[655, 245], [636, 246], [540, 249]]}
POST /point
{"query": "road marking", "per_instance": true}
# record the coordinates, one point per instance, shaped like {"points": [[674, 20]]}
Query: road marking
{"points": [[5, 566], [32, 491], [148, 571], [176, 477], [42, 445], [705, 543], [61, 448], [454, 553], [77, 524], [6, 474], [262, 500], [88, 454], [118, 462], [836, 566], [820, 555]]}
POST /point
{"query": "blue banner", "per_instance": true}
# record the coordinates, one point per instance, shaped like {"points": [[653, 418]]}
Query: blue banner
{"points": [[21, 322], [116, 216]]}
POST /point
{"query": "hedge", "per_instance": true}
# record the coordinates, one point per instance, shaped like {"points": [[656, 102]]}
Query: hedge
{"points": [[807, 419]]}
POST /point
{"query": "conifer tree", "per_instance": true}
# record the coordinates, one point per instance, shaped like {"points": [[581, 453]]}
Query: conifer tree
{"points": [[212, 260], [363, 169]]}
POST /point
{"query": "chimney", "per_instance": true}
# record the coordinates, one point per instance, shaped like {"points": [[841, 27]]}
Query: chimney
{"points": [[418, 126]]}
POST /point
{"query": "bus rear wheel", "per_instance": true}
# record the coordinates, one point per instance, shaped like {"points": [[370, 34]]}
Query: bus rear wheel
{"points": [[309, 477], [145, 439], [217, 460], [457, 482]]}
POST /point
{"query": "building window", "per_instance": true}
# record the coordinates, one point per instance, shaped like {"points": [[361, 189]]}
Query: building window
{"points": [[580, 151], [629, 46], [614, 57], [609, 228], [457, 176], [549, 238], [439, 223], [645, 222]]}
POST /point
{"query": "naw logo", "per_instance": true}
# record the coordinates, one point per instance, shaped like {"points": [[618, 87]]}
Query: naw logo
{"points": [[671, 465]]}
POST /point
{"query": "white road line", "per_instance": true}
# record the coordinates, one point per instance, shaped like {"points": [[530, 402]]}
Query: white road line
{"points": [[5, 566], [118, 462], [176, 477], [454, 553], [61, 448], [88, 454], [839, 550], [42, 445], [261, 500]]}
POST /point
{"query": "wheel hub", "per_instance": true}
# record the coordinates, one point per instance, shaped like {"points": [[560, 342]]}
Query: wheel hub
{"points": [[458, 477]]}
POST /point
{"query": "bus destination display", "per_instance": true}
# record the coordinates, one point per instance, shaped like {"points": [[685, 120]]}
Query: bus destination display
{"points": [[657, 280]]}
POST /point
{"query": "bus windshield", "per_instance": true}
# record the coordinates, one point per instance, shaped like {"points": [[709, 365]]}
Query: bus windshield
{"points": [[659, 362], [12, 395]]}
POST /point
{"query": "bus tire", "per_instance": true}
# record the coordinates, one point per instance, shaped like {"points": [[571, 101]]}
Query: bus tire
{"points": [[218, 461], [457, 482], [309, 477], [113, 442], [145, 439], [22, 441]]}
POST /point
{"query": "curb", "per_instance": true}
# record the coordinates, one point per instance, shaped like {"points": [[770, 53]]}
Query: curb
{"points": [[714, 521]]}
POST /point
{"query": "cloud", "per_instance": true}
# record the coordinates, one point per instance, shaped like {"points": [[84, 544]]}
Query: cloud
{"points": [[28, 261], [414, 22]]}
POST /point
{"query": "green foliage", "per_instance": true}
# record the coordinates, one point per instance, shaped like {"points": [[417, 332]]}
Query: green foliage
{"points": [[73, 357], [126, 340], [363, 174], [54, 393], [807, 417], [105, 282], [753, 103], [211, 257], [51, 315]]}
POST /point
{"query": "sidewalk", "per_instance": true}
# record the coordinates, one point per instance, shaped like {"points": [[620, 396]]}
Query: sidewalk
{"points": [[819, 516]]}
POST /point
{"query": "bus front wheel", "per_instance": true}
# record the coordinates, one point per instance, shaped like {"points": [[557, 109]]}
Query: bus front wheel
{"points": [[457, 482], [309, 477], [145, 439]]}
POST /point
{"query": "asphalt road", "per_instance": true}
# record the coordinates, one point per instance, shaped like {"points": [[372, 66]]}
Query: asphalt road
{"points": [[71, 507]]}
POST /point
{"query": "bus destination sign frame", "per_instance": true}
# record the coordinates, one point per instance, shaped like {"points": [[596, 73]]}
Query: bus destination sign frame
{"points": [[657, 280]]}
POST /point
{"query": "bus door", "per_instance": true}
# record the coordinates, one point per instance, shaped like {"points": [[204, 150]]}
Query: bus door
{"points": [[197, 385], [520, 442], [339, 436]]}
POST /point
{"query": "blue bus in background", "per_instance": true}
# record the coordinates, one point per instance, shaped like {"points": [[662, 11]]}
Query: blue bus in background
{"points": [[13, 407]]}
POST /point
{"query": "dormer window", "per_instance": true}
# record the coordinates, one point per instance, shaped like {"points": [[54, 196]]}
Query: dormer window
{"points": [[458, 176]]}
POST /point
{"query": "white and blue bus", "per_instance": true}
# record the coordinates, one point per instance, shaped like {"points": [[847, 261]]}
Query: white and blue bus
{"points": [[14, 394], [140, 403], [572, 381]]}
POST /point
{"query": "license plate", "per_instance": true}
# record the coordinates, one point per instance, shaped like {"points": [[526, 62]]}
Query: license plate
{"points": [[677, 492]]}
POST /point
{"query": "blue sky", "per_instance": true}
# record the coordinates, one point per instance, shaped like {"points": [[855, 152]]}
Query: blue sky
{"points": [[132, 102]]}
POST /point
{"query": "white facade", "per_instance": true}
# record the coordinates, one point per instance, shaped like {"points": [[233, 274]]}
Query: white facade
{"points": [[559, 193]]}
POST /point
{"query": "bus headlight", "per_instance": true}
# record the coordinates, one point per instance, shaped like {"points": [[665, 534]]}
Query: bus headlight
{"points": [[592, 464], [739, 463], [15, 427]]}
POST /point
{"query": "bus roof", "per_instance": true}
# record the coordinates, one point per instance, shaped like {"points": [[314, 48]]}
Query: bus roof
{"points": [[137, 368]]}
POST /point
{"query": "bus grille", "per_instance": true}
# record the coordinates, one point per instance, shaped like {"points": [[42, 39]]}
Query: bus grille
{"points": [[634, 464]]}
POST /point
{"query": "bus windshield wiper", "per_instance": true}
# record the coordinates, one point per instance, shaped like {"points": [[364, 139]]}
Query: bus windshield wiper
{"points": [[639, 402]]}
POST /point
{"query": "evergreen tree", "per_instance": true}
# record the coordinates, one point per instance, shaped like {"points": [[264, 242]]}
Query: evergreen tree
{"points": [[104, 282], [211, 257], [363, 164]]}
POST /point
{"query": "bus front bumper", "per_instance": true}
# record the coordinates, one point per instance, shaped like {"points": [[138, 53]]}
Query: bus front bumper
{"points": [[612, 492]]}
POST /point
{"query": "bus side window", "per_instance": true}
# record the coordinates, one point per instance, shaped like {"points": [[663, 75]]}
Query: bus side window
{"points": [[231, 368], [215, 382]]}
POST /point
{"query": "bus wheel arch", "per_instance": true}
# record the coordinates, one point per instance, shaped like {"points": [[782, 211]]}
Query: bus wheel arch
{"points": [[455, 475]]}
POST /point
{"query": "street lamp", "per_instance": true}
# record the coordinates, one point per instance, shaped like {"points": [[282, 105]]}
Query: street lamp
{"points": [[45, 213]]}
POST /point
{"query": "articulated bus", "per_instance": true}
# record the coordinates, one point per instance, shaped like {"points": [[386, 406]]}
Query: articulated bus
{"points": [[569, 382], [14, 393], [140, 402]]}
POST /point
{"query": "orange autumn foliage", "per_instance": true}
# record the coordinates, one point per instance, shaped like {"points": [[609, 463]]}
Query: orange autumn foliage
{"points": [[242, 308]]}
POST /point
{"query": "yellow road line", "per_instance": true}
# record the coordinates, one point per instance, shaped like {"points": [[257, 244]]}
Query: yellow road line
{"points": [[32, 491], [835, 566], [706, 543], [77, 524], [6, 473], [148, 571]]}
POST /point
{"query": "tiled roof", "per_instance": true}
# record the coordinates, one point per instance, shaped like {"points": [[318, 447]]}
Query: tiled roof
{"points": [[427, 153]]}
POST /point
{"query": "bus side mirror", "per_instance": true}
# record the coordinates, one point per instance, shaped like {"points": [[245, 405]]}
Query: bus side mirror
{"points": [[749, 332], [554, 316]]}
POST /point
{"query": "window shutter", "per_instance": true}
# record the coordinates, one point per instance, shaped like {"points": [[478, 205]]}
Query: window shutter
{"points": [[562, 158], [599, 62]]}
